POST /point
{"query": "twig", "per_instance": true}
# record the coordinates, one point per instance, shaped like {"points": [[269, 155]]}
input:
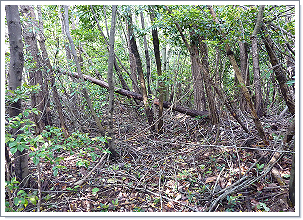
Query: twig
{"points": [[169, 199], [39, 187], [247, 183], [218, 178], [8, 178], [160, 191], [80, 182]]}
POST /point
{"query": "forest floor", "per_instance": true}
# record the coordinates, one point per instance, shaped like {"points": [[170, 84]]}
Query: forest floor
{"points": [[183, 170]]}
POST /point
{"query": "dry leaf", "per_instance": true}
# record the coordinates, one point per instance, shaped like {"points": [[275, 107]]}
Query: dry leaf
{"points": [[210, 179], [170, 205], [178, 197]]}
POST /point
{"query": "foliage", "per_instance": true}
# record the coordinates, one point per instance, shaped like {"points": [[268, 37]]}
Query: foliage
{"points": [[191, 183]]}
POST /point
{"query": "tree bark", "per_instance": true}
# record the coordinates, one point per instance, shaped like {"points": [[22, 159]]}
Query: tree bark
{"points": [[15, 78], [198, 85], [287, 138], [259, 102], [209, 92], [158, 63], [132, 61], [134, 50], [147, 58], [66, 46], [110, 81], [243, 46], [279, 72]]}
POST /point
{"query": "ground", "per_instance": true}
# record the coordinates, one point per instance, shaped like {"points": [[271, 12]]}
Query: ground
{"points": [[192, 167]]}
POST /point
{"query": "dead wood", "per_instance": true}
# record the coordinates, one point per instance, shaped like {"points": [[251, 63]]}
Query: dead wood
{"points": [[130, 94]]}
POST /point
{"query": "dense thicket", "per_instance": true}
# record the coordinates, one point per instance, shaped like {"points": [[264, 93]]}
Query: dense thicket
{"points": [[177, 108]]}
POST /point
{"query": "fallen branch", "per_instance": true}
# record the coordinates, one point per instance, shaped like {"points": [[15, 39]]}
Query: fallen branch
{"points": [[130, 94], [240, 184], [80, 182]]}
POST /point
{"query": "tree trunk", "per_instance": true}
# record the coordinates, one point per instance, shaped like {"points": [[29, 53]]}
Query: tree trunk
{"points": [[40, 99], [243, 46], [209, 92], [132, 62], [158, 63], [198, 85], [241, 81], [292, 191], [173, 92], [146, 56], [66, 46], [162, 79], [259, 103], [134, 50], [15, 78], [117, 68], [49, 69], [84, 91], [287, 138], [110, 80], [279, 72]]}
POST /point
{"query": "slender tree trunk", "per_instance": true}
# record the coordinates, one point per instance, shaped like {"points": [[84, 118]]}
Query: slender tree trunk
{"points": [[117, 68], [134, 50], [110, 80], [66, 46], [279, 72], [146, 55], [132, 61], [209, 92], [243, 46], [158, 63], [198, 85], [241, 81], [40, 99], [162, 79], [49, 69], [229, 106], [15, 78], [287, 138], [259, 103], [75, 99], [84, 91]]}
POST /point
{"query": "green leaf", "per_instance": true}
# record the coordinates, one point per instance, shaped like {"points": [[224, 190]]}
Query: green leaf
{"points": [[13, 150], [95, 190], [36, 160], [33, 200], [55, 172], [21, 147], [16, 201], [25, 202], [12, 144], [21, 192]]}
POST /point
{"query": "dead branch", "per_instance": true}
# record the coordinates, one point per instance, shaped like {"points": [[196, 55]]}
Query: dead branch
{"points": [[130, 94]]}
